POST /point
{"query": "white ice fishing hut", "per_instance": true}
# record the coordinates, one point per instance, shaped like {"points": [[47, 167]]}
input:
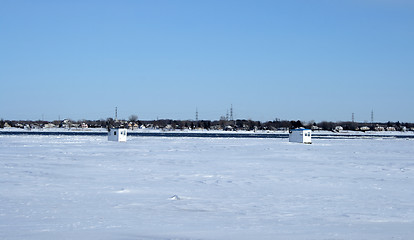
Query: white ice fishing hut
{"points": [[300, 136], [117, 134]]}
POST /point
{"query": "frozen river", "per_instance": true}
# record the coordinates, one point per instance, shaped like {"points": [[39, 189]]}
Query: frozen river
{"points": [[84, 187]]}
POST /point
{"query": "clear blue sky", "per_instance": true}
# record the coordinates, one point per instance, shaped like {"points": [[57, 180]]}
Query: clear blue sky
{"points": [[308, 60]]}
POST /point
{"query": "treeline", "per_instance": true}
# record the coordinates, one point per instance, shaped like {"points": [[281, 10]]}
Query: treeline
{"points": [[226, 125]]}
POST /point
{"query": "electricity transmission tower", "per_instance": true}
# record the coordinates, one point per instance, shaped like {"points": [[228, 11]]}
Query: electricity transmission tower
{"points": [[231, 112]]}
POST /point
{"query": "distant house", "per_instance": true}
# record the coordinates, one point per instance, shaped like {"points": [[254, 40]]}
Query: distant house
{"points": [[132, 125], [66, 123], [117, 134], [49, 125], [300, 135], [314, 127]]}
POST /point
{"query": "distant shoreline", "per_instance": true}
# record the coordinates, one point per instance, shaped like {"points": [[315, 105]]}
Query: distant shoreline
{"points": [[206, 133]]}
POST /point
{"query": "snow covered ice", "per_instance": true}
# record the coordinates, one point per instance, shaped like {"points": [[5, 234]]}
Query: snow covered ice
{"points": [[85, 187]]}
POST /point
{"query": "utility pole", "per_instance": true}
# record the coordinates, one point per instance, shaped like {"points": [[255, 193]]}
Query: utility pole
{"points": [[116, 113], [372, 117], [353, 117]]}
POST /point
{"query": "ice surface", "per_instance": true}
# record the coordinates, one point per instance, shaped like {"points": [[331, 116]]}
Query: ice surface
{"points": [[85, 187]]}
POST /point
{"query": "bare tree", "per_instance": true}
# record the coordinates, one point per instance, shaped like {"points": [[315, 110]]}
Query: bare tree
{"points": [[133, 118]]}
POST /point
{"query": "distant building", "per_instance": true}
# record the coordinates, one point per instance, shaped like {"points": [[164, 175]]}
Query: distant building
{"points": [[391, 129], [364, 128], [300, 135], [132, 125], [66, 123], [49, 125], [314, 127], [117, 134]]}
